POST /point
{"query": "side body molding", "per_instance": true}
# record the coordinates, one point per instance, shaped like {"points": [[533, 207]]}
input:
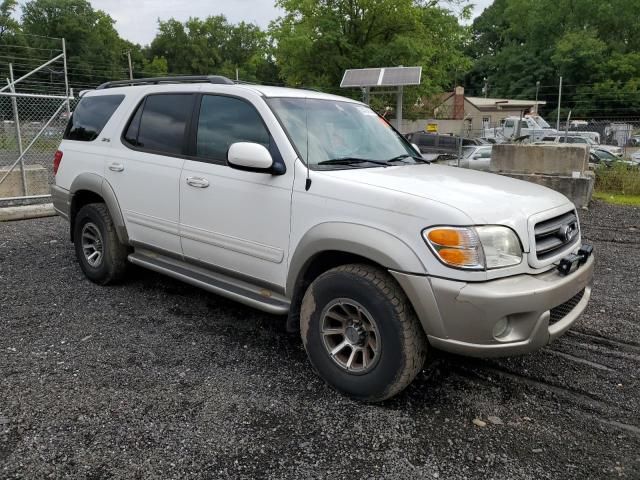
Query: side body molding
{"points": [[365, 241], [95, 183]]}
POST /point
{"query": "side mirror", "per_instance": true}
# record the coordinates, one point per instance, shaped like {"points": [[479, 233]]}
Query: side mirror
{"points": [[250, 156], [416, 148], [476, 156]]}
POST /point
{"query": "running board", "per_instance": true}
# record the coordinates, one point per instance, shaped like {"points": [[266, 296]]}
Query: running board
{"points": [[224, 285]]}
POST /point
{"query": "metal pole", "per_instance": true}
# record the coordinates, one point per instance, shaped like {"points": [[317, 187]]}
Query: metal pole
{"points": [[14, 105], [559, 100], [66, 77], [537, 89], [399, 110], [49, 62], [130, 66]]}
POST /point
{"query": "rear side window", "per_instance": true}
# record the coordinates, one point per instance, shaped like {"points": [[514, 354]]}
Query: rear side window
{"points": [[159, 123], [90, 117], [224, 121]]}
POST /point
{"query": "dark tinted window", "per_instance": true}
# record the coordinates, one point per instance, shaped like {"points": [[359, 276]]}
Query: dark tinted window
{"points": [[224, 121], [160, 127], [90, 117]]}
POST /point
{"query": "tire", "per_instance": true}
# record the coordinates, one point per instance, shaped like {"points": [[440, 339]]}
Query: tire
{"points": [[94, 222], [389, 342]]}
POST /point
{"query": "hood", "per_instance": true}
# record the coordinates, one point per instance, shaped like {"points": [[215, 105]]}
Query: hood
{"points": [[486, 198]]}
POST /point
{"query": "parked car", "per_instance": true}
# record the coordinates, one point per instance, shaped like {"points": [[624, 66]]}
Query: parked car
{"points": [[474, 157], [436, 143], [306, 205], [576, 139]]}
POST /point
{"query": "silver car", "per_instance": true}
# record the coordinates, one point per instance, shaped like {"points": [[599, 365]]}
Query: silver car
{"points": [[475, 157]]}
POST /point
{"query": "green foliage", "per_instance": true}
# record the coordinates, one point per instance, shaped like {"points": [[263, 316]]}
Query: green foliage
{"points": [[317, 40], [7, 23], [214, 46], [593, 44], [90, 37], [618, 179]]}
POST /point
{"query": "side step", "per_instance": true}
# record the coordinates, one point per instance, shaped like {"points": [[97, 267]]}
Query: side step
{"points": [[224, 285]]}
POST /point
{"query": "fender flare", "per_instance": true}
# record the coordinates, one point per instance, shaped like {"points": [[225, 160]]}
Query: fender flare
{"points": [[369, 242], [97, 184]]}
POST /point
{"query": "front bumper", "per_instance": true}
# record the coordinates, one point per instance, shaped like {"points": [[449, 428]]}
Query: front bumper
{"points": [[461, 317]]}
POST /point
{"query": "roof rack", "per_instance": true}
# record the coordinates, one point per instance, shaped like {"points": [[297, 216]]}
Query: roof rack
{"points": [[217, 79]]}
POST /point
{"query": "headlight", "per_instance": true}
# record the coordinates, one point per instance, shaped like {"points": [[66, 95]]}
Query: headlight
{"points": [[475, 248]]}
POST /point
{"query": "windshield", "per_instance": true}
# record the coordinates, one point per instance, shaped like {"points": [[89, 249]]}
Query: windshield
{"points": [[540, 121], [328, 130], [468, 151]]}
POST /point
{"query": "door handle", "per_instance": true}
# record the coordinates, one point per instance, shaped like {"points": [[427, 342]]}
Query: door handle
{"points": [[116, 167], [198, 182]]}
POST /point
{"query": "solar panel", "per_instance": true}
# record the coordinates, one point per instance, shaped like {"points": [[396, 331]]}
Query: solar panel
{"points": [[377, 77], [363, 77], [397, 76]]}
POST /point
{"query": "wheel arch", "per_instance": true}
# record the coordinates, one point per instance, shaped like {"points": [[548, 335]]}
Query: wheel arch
{"points": [[92, 188], [329, 245]]}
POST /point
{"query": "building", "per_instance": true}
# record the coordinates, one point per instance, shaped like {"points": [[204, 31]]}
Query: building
{"points": [[458, 113]]}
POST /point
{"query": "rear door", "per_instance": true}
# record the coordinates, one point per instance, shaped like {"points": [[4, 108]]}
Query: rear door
{"points": [[144, 169]]}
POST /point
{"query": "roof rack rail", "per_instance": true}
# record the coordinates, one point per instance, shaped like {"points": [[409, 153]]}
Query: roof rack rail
{"points": [[217, 79]]}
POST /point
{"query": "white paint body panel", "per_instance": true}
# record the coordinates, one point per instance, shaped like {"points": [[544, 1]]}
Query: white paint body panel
{"points": [[253, 223]]}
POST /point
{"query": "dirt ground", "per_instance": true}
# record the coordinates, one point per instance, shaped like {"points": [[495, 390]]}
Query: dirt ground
{"points": [[157, 379]]}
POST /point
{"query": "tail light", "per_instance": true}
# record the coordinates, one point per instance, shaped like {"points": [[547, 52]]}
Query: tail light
{"points": [[57, 159]]}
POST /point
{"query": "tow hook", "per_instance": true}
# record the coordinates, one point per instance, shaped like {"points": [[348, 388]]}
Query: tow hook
{"points": [[574, 260]]}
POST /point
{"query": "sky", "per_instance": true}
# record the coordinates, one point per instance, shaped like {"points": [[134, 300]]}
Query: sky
{"points": [[137, 20]]}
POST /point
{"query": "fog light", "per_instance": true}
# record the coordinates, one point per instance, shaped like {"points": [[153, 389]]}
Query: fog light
{"points": [[501, 328]]}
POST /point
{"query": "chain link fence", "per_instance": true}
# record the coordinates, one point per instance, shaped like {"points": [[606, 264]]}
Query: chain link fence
{"points": [[30, 133]]}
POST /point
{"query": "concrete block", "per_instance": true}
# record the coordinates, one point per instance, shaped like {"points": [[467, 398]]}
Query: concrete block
{"points": [[37, 181], [26, 212], [547, 159], [578, 190]]}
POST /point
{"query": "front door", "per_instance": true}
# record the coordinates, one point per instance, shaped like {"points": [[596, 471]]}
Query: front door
{"points": [[233, 220]]}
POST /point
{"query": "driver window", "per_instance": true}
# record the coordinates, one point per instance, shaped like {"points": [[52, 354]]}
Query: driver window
{"points": [[224, 121]]}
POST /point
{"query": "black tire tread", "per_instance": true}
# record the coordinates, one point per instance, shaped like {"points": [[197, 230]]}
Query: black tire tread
{"points": [[413, 336], [117, 253]]}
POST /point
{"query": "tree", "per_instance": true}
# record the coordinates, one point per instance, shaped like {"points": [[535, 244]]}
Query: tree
{"points": [[7, 23], [593, 44], [94, 49], [317, 40], [214, 46]]}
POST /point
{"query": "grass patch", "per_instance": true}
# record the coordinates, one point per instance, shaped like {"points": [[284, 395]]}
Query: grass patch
{"points": [[620, 179], [617, 199]]}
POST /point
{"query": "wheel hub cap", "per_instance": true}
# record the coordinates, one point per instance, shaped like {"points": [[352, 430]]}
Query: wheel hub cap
{"points": [[92, 244], [350, 335]]}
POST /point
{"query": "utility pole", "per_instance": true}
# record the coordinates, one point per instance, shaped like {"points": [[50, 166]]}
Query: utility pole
{"points": [[537, 88], [559, 100], [130, 66], [486, 87]]}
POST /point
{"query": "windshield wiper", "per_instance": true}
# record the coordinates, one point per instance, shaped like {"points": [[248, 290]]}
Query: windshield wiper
{"points": [[406, 155], [350, 161]]}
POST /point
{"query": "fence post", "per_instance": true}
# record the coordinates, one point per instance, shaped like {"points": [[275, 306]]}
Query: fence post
{"points": [[16, 117]]}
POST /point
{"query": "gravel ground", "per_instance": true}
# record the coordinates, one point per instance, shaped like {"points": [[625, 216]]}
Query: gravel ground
{"points": [[157, 379]]}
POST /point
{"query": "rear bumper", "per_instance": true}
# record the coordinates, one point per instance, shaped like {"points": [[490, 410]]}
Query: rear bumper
{"points": [[61, 201], [465, 318]]}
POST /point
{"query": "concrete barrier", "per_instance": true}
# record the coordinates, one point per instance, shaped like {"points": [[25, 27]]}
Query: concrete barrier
{"points": [[25, 212], [541, 159], [563, 168], [37, 181]]}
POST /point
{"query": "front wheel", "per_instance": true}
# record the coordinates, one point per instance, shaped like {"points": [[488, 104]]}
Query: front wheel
{"points": [[361, 333]]}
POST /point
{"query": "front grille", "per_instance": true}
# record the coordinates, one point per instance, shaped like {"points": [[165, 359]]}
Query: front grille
{"points": [[555, 234], [561, 311]]}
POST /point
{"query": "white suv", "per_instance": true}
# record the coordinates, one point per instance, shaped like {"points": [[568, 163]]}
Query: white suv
{"points": [[312, 206]]}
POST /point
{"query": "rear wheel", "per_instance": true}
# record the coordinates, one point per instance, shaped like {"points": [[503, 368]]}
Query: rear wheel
{"points": [[361, 333], [102, 257]]}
